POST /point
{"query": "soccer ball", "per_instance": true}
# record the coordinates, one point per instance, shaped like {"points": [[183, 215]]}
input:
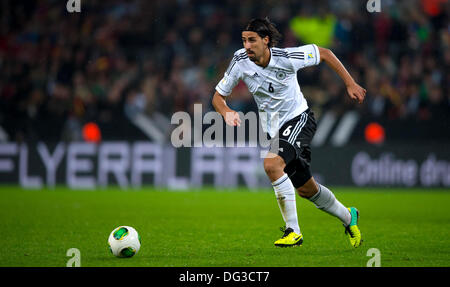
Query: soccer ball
{"points": [[124, 241]]}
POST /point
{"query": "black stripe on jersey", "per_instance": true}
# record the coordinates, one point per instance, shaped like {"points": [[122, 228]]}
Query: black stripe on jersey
{"points": [[286, 51], [242, 57], [275, 50], [243, 54], [299, 57], [236, 59], [279, 55], [230, 67], [285, 54], [296, 54]]}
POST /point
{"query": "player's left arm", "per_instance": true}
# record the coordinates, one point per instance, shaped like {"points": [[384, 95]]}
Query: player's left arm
{"points": [[354, 90]]}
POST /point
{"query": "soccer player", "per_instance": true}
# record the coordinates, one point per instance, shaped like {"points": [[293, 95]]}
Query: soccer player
{"points": [[270, 74]]}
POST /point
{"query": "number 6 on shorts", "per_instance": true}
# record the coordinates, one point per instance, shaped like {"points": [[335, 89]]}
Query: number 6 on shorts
{"points": [[287, 131]]}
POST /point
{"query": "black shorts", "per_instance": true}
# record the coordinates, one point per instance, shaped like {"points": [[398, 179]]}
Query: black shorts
{"points": [[294, 146]]}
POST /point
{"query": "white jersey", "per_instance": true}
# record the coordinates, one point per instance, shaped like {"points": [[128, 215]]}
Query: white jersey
{"points": [[275, 88]]}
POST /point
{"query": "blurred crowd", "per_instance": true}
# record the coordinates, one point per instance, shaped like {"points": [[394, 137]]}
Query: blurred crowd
{"points": [[117, 59]]}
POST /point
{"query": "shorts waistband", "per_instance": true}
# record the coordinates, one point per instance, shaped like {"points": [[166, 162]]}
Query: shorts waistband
{"points": [[305, 111]]}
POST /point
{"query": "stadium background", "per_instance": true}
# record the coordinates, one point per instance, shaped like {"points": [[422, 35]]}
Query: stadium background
{"points": [[86, 101], [119, 70]]}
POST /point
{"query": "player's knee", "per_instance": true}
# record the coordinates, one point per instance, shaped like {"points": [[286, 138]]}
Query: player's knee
{"points": [[270, 167], [273, 165]]}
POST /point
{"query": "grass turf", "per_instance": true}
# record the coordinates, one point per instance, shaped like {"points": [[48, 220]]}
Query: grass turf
{"points": [[208, 227]]}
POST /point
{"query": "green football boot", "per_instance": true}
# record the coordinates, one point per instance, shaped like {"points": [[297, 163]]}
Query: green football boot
{"points": [[352, 230]]}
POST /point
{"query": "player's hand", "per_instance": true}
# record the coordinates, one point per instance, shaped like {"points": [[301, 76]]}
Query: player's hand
{"points": [[356, 92], [232, 119]]}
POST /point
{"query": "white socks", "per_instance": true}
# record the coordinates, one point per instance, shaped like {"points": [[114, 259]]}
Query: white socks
{"points": [[285, 193], [325, 200]]}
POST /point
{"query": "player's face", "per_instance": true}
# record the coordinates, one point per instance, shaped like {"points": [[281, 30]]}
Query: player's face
{"points": [[254, 44]]}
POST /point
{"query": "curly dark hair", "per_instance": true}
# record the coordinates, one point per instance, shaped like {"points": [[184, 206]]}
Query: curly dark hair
{"points": [[264, 27]]}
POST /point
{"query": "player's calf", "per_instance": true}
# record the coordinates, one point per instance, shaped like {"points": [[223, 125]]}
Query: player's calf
{"points": [[308, 190], [325, 200]]}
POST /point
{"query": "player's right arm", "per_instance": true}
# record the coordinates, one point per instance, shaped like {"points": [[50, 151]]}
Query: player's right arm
{"points": [[220, 105], [223, 90]]}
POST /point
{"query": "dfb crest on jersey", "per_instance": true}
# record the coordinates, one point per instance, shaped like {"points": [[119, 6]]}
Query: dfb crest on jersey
{"points": [[281, 75]]}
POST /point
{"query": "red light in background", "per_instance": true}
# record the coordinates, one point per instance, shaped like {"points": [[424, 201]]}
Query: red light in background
{"points": [[374, 133], [91, 133]]}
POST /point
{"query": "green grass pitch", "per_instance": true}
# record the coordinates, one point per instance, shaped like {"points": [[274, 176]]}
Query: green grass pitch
{"points": [[228, 228]]}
